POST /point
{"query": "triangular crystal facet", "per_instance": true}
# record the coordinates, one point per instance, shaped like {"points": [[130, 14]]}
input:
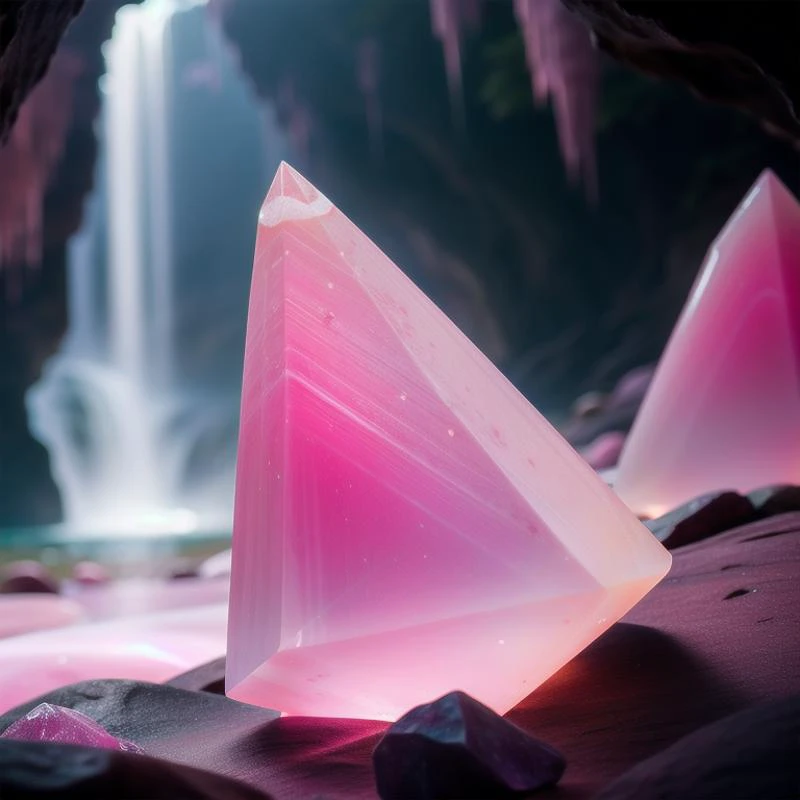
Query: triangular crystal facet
{"points": [[406, 524], [723, 410]]}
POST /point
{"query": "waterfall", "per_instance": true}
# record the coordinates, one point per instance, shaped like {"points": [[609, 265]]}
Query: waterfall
{"points": [[139, 407]]}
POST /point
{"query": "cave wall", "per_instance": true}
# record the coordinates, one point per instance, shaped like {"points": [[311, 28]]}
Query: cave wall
{"points": [[563, 294]]}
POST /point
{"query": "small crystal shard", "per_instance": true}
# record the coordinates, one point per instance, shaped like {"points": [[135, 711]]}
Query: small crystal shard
{"points": [[49, 723], [406, 523], [723, 411], [458, 748]]}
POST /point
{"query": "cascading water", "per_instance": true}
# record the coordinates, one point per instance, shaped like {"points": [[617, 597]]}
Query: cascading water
{"points": [[138, 409]]}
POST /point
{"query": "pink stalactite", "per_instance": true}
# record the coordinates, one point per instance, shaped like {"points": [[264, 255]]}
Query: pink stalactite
{"points": [[27, 163], [369, 77], [450, 19], [564, 67]]}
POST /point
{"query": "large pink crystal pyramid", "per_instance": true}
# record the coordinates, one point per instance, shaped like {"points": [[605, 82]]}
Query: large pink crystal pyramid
{"points": [[406, 523], [723, 410]]}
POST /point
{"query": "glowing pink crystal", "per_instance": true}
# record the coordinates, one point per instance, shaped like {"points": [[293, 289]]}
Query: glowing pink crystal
{"points": [[406, 523], [49, 723], [723, 410]]}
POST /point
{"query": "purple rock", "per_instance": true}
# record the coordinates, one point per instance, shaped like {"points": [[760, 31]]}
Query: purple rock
{"points": [[50, 723], [769, 501], [702, 517], [21, 577], [456, 747]]}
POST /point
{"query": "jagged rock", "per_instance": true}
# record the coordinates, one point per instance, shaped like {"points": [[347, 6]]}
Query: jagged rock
{"points": [[458, 748], [772, 500], [702, 517], [746, 755]]}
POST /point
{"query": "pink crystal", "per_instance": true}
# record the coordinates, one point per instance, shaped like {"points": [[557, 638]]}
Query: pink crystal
{"points": [[49, 723], [406, 523], [723, 410]]}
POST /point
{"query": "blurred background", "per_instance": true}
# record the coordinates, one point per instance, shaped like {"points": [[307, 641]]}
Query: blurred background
{"points": [[551, 173]]}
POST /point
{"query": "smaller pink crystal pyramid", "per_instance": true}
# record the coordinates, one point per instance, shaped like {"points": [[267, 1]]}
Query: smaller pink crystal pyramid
{"points": [[49, 723], [406, 524], [723, 410]]}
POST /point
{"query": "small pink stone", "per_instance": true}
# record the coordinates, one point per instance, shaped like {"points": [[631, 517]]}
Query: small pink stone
{"points": [[406, 524], [723, 409], [50, 723]]}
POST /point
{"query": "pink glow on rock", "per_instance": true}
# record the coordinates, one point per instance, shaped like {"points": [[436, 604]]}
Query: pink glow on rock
{"points": [[23, 613], [50, 723], [564, 66], [154, 647], [723, 410], [27, 162], [405, 522]]}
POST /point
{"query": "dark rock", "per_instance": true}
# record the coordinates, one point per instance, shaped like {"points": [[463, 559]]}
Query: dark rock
{"points": [[27, 577], [740, 54], [208, 677], [458, 748], [30, 770], [751, 754], [30, 31], [702, 517], [770, 501]]}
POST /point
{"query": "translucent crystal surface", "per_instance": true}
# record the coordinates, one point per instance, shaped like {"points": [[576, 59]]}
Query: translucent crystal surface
{"points": [[406, 523], [50, 723], [723, 410]]}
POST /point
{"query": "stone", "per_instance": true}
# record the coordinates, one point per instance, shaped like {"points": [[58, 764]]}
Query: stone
{"points": [[27, 577], [752, 753], [458, 748], [24, 613], [769, 501], [405, 522], [46, 771], [702, 517], [51, 723], [723, 410]]}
